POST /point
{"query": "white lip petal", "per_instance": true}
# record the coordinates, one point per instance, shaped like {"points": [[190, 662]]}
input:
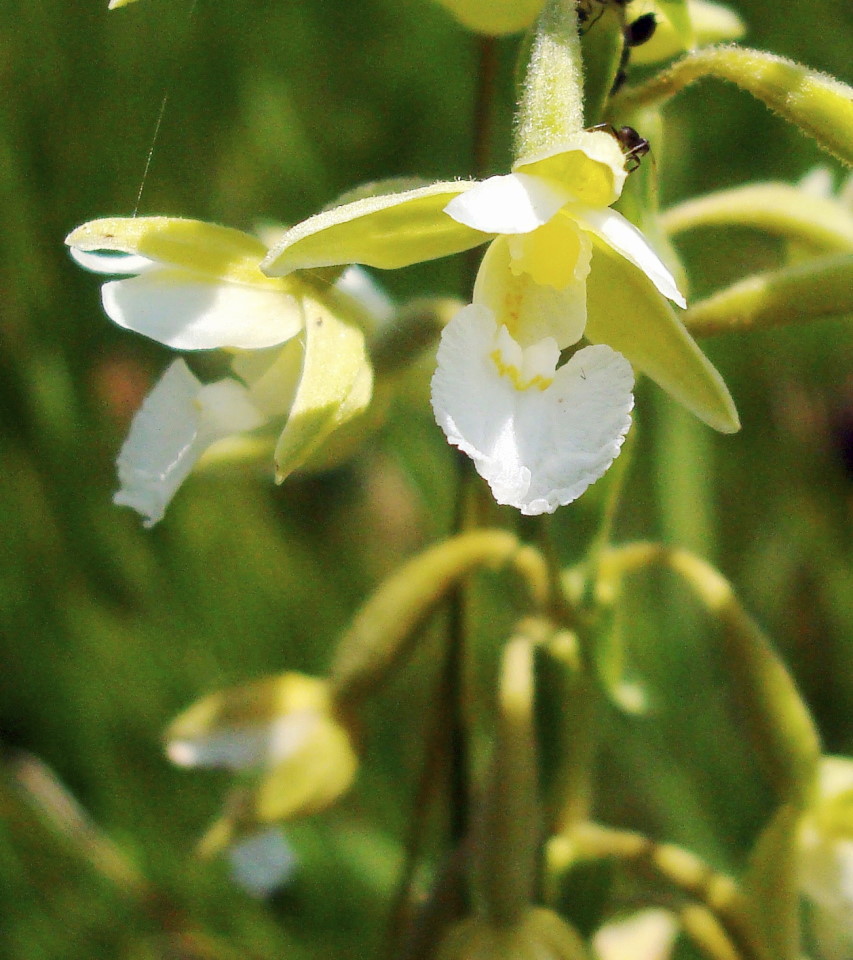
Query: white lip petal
{"points": [[111, 263], [190, 312], [537, 449], [514, 203], [620, 234], [178, 420]]}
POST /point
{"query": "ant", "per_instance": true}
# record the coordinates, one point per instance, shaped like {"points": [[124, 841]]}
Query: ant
{"points": [[635, 33], [633, 145]]}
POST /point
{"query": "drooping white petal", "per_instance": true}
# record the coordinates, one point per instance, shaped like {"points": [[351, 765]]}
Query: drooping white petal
{"points": [[538, 449], [178, 420], [115, 263], [262, 861], [191, 312], [529, 310], [514, 203], [620, 234]]}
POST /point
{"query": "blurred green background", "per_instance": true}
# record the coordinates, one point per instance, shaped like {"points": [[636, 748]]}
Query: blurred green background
{"points": [[106, 630]]}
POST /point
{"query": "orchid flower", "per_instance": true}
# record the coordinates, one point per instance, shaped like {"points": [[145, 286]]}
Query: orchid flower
{"points": [[826, 858], [286, 728], [297, 355], [561, 265]]}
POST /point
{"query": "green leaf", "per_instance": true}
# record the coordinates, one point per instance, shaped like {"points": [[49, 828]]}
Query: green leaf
{"points": [[335, 387], [386, 231], [628, 314]]}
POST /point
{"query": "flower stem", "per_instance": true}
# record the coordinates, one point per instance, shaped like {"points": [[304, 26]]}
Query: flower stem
{"points": [[717, 893]]}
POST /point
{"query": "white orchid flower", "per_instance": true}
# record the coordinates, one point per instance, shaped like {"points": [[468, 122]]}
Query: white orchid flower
{"points": [[561, 265], [297, 357], [826, 858]]}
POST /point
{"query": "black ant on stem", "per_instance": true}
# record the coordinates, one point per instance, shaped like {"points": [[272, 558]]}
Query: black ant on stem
{"points": [[635, 33], [633, 145]]}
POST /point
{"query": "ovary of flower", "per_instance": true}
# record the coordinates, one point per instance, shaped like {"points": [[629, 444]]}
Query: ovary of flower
{"points": [[538, 434], [197, 286]]}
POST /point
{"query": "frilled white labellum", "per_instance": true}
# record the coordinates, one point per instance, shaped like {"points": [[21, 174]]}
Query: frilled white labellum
{"points": [[537, 434], [177, 422]]}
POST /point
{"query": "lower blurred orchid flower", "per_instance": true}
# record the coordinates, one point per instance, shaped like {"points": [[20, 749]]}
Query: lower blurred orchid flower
{"points": [[297, 349]]}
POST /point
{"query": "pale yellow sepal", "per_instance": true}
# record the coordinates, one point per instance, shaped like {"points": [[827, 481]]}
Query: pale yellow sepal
{"points": [[115, 4], [312, 779], [712, 23], [203, 248], [823, 223], [628, 314], [387, 231], [493, 17], [335, 387], [539, 935]]}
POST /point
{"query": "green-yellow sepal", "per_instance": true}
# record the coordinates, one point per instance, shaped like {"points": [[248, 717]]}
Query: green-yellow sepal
{"points": [[627, 313], [387, 231], [335, 386], [706, 23], [494, 17]]}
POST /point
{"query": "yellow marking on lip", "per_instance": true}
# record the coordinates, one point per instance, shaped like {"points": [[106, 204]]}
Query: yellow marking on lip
{"points": [[514, 374]]}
